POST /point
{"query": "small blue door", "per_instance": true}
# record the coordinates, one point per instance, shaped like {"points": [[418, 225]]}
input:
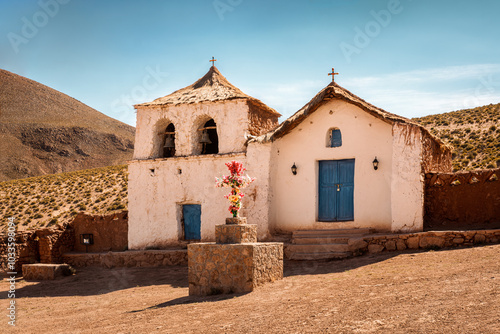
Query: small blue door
{"points": [[336, 190], [192, 221]]}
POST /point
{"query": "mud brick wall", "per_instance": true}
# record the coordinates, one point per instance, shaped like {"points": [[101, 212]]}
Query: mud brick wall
{"points": [[110, 232], [26, 250], [54, 243], [44, 245], [462, 201]]}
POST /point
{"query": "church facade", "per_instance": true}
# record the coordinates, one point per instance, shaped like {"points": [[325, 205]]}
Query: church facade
{"points": [[339, 162]]}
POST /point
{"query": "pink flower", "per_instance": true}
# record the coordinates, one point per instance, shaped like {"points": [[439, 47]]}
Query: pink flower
{"points": [[235, 181]]}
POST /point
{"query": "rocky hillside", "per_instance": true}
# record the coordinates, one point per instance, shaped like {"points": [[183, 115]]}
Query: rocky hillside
{"points": [[50, 200], [474, 135], [43, 131]]}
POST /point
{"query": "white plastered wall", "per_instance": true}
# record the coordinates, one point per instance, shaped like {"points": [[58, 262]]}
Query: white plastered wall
{"points": [[408, 181], [364, 137], [231, 118], [156, 198]]}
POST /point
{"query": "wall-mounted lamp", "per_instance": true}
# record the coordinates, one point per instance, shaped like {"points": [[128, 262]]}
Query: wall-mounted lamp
{"points": [[375, 163], [294, 169], [86, 239]]}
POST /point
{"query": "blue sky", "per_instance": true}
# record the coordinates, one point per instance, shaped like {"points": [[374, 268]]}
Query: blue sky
{"points": [[409, 57]]}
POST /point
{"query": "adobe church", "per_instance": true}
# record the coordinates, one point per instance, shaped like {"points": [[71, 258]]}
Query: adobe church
{"points": [[339, 162]]}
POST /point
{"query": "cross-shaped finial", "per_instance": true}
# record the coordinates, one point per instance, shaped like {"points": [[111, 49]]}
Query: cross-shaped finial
{"points": [[333, 74], [213, 61]]}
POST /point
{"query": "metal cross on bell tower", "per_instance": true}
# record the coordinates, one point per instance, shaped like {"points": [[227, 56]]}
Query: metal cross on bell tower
{"points": [[213, 60], [333, 74]]}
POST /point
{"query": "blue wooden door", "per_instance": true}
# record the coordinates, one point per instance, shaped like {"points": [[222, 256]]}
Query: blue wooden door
{"points": [[192, 221], [336, 190]]}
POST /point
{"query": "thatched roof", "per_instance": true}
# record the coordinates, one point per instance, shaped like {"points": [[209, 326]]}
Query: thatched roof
{"points": [[334, 91], [212, 87]]}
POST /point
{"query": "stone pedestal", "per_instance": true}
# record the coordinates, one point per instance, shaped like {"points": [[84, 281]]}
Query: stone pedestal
{"points": [[235, 234], [236, 263]]}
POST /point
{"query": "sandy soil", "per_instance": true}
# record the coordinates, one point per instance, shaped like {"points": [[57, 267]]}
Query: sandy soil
{"points": [[449, 291]]}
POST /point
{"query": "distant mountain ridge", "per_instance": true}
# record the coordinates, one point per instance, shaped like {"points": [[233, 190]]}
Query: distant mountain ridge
{"points": [[473, 133], [43, 131]]}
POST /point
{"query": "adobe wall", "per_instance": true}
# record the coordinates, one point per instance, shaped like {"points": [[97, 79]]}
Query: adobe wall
{"points": [[26, 250], [407, 199], [110, 232], [435, 157], [49, 245], [464, 200], [45, 246], [159, 188]]}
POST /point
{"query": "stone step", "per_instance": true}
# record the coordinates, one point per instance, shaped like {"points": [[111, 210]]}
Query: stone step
{"points": [[320, 240], [333, 232], [317, 248], [319, 256]]}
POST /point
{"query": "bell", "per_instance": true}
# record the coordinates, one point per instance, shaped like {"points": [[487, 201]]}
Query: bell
{"points": [[205, 139], [169, 142]]}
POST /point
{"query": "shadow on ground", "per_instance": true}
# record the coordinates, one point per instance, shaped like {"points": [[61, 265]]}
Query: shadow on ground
{"points": [[191, 300], [96, 281]]}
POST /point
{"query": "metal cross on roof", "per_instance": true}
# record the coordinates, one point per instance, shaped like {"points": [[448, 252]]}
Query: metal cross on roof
{"points": [[333, 74], [213, 60]]}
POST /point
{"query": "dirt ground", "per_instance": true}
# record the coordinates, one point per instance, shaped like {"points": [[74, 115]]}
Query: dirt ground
{"points": [[448, 291]]}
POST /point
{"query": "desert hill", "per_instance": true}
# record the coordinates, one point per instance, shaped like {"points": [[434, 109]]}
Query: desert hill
{"points": [[54, 199], [474, 135], [43, 131]]}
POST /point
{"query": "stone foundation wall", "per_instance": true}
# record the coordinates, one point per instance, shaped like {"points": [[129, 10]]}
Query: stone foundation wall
{"points": [[143, 258], [462, 201], [422, 240]]}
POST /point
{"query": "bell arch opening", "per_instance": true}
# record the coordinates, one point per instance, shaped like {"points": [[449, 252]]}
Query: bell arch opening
{"points": [[209, 139], [167, 149]]}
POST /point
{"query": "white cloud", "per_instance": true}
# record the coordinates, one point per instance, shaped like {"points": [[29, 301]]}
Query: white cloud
{"points": [[409, 94], [424, 92], [450, 73]]}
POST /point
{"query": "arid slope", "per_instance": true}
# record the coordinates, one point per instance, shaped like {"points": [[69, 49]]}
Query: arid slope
{"points": [[474, 135], [43, 131]]}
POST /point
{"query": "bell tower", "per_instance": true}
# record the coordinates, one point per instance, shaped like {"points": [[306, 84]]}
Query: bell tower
{"points": [[211, 116]]}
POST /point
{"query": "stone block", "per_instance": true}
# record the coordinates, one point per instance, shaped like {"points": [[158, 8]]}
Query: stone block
{"points": [[431, 242], [413, 242], [232, 268], [390, 245], [357, 245], [44, 271], [400, 244], [374, 248], [479, 238], [235, 234]]}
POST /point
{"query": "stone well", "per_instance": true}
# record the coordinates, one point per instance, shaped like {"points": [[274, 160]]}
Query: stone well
{"points": [[235, 263]]}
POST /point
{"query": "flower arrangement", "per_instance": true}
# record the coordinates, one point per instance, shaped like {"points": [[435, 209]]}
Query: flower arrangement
{"points": [[235, 181]]}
